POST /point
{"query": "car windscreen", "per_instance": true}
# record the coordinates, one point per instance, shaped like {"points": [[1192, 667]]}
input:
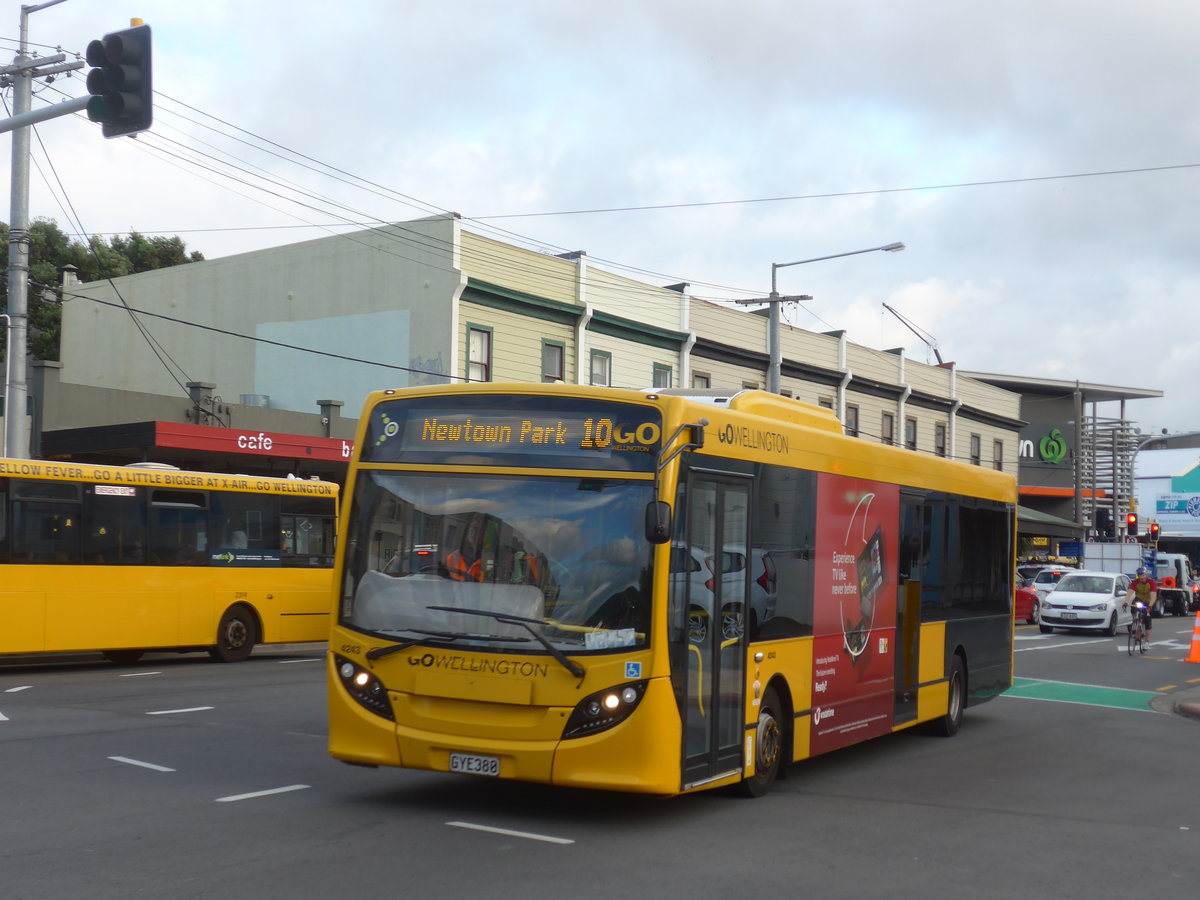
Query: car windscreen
{"points": [[1085, 584]]}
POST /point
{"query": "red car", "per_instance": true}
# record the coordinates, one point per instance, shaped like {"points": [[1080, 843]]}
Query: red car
{"points": [[1025, 604]]}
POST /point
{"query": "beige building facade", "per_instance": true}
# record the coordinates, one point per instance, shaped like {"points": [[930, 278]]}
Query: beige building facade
{"points": [[290, 340]]}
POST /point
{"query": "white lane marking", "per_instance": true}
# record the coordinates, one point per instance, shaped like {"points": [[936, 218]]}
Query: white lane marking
{"points": [[505, 831], [1071, 644], [137, 674], [284, 662], [1118, 643], [1168, 644], [251, 796], [3, 717], [138, 762], [14, 690], [171, 712]]}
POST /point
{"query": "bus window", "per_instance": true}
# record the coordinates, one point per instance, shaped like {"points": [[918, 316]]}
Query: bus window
{"points": [[114, 525], [178, 528], [306, 528], [783, 560], [45, 522], [245, 522]]}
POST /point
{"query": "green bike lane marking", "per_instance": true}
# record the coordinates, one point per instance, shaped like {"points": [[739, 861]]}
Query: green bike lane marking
{"points": [[1081, 694]]}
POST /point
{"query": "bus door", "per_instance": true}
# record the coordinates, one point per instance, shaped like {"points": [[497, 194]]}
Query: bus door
{"points": [[717, 516], [913, 560]]}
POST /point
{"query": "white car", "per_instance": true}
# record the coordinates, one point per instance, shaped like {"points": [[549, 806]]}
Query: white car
{"points": [[1094, 601]]}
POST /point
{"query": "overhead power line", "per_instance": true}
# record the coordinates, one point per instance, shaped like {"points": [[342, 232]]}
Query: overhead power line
{"points": [[835, 194]]}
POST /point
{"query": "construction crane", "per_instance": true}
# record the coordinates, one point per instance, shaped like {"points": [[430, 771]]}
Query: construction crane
{"points": [[929, 339]]}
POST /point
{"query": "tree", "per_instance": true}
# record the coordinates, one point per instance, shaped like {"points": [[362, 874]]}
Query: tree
{"points": [[50, 250]]}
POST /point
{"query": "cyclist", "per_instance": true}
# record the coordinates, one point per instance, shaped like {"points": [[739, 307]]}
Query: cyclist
{"points": [[1144, 589]]}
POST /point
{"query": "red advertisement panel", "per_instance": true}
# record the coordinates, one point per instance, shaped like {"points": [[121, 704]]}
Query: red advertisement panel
{"points": [[854, 614]]}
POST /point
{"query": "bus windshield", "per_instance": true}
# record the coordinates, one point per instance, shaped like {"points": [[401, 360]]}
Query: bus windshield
{"points": [[516, 563]]}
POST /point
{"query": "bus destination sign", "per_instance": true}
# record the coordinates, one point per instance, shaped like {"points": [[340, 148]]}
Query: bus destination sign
{"points": [[590, 434]]}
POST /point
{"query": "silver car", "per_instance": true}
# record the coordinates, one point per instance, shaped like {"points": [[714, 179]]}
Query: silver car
{"points": [[1047, 577]]}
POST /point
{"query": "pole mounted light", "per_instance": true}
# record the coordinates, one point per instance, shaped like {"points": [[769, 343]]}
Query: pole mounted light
{"points": [[773, 370]]}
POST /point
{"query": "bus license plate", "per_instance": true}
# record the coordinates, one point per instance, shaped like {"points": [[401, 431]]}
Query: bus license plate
{"points": [[471, 764]]}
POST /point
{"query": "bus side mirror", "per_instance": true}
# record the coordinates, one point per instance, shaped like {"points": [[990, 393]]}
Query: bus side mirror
{"points": [[658, 521]]}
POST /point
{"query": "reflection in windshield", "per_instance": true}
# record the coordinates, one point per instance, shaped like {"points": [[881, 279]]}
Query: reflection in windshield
{"points": [[447, 557]]}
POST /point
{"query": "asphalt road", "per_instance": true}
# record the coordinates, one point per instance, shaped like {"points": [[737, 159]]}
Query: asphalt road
{"points": [[183, 778]]}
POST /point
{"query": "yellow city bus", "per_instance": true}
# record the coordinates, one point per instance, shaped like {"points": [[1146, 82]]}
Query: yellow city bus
{"points": [[722, 587], [125, 559]]}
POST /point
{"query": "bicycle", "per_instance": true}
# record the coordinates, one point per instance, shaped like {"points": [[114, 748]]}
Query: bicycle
{"points": [[1137, 629]]}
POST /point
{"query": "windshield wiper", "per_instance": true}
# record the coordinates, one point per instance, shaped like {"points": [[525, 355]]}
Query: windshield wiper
{"points": [[505, 618], [377, 652]]}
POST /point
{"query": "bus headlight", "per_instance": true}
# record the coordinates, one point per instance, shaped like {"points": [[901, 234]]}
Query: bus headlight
{"points": [[604, 709], [367, 690]]}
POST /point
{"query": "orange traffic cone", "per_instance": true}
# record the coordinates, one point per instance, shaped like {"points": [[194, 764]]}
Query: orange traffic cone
{"points": [[1194, 655]]}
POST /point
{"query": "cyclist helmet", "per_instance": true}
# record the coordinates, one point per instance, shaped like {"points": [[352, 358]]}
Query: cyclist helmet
{"points": [[1141, 570]]}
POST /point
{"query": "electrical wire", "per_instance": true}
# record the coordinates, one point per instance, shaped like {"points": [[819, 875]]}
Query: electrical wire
{"points": [[634, 297]]}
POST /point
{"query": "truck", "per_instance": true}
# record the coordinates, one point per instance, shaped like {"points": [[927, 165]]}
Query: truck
{"points": [[1124, 558], [1177, 590]]}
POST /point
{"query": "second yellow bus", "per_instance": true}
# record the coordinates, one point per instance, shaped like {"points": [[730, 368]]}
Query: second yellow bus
{"points": [[125, 559]]}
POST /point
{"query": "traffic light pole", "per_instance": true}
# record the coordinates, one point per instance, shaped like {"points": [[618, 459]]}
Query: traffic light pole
{"points": [[16, 432], [22, 72]]}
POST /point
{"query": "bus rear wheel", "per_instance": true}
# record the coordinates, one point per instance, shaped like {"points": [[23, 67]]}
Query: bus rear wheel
{"points": [[768, 746], [236, 635], [956, 701]]}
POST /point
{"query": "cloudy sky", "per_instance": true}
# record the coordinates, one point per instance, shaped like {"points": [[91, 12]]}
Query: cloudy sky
{"points": [[1039, 158]]}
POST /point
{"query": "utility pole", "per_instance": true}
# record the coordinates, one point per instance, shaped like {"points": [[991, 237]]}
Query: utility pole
{"points": [[120, 99], [774, 351], [22, 72], [16, 434]]}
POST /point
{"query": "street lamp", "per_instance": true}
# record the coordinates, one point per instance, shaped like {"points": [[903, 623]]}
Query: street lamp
{"points": [[775, 299]]}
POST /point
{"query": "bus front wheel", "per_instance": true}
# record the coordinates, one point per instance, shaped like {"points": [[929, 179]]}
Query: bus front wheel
{"points": [[768, 746], [236, 635]]}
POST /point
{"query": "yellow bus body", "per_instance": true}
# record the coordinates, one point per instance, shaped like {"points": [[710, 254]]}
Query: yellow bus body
{"points": [[69, 604], [438, 709]]}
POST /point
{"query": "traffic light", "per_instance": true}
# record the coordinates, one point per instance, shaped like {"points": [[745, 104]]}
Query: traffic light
{"points": [[122, 94], [1131, 524], [1154, 531], [1104, 523]]}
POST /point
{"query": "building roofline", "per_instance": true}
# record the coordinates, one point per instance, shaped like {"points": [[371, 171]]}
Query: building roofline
{"points": [[1092, 392]]}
